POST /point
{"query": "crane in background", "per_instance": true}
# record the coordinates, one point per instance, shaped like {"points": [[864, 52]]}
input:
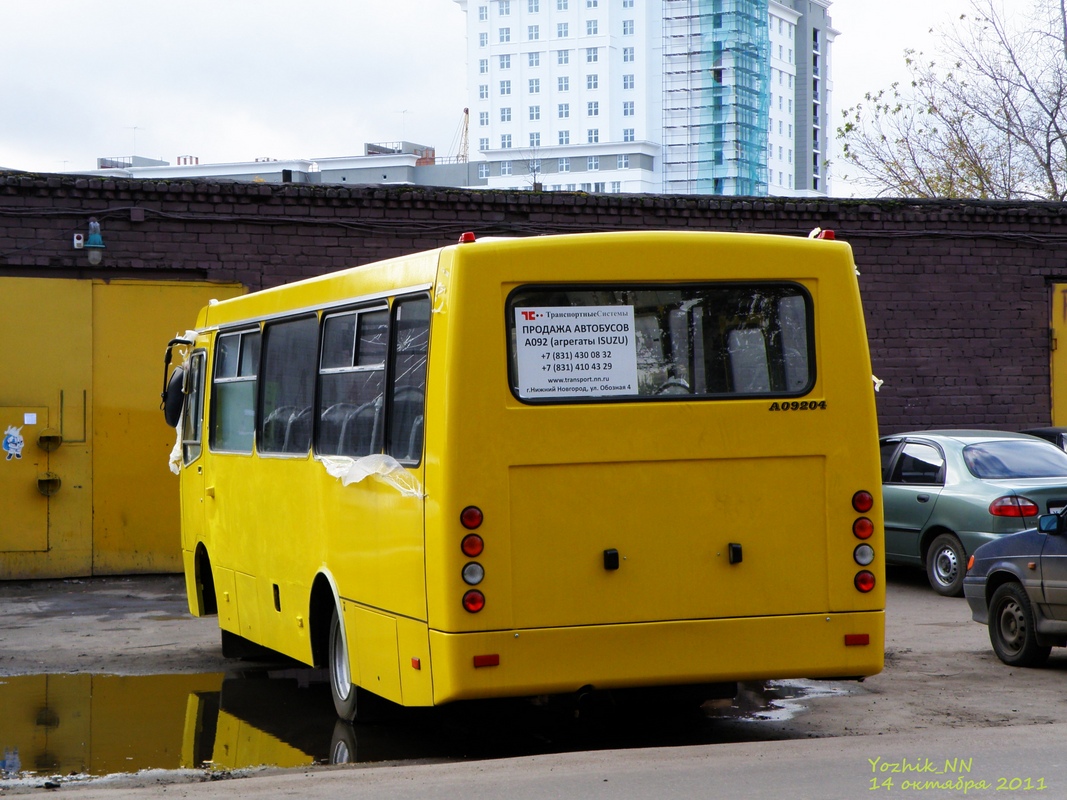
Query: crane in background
{"points": [[461, 141]]}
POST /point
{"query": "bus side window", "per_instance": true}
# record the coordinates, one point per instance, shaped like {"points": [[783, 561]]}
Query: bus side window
{"points": [[407, 390], [193, 415], [287, 385], [234, 413], [352, 383]]}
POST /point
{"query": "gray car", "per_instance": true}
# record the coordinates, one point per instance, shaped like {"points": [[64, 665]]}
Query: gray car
{"points": [[1017, 586], [946, 493]]}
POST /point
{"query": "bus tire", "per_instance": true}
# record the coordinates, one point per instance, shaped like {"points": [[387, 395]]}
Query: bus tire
{"points": [[946, 564], [352, 703], [341, 686]]}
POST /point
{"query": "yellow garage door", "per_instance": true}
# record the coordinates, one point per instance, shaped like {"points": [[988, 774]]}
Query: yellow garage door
{"points": [[1059, 353], [86, 488]]}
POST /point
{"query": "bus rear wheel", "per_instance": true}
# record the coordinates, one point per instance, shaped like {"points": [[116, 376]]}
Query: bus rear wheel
{"points": [[352, 703], [344, 693]]}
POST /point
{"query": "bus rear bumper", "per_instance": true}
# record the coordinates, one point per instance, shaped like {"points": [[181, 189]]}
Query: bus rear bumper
{"points": [[564, 660]]}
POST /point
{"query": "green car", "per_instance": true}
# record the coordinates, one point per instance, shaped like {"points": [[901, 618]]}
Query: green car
{"points": [[947, 492]]}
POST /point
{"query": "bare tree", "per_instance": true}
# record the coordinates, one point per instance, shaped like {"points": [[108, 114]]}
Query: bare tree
{"points": [[991, 125]]}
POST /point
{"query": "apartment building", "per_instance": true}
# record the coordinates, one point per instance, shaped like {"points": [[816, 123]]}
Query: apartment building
{"points": [[727, 97]]}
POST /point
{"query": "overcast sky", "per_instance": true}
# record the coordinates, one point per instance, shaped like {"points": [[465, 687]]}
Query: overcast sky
{"points": [[236, 80]]}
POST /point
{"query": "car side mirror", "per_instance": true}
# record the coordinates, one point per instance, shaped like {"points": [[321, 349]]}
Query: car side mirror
{"points": [[1050, 523]]}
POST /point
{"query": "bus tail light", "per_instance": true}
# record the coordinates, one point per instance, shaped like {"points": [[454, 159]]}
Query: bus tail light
{"points": [[488, 660], [863, 501], [863, 528], [471, 518], [1013, 506], [857, 639], [472, 545], [473, 573], [863, 555], [864, 580], [474, 601]]}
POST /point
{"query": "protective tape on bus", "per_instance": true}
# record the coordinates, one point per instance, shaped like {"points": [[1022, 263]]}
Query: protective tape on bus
{"points": [[382, 467]]}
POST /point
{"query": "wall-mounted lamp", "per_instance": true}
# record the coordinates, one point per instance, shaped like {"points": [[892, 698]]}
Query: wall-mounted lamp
{"points": [[94, 243]]}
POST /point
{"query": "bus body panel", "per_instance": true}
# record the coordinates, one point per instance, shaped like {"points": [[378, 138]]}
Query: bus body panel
{"points": [[569, 659], [278, 523], [668, 485], [671, 525], [372, 646], [778, 482]]}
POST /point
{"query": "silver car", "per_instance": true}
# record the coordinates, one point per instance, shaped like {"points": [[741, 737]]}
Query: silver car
{"points": [[1017, 586], [946, 493]]}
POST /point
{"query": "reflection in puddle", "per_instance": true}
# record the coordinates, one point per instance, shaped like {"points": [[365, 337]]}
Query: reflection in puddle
{"points": [[104, 724], [779, 700]]}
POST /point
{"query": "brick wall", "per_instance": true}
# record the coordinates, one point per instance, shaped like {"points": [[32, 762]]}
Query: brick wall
{"points": [[956, 292]]}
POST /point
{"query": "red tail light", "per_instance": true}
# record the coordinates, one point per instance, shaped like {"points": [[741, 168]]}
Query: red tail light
{"points": [[471, 517], [472, 545], [864, 581], [863, 528], [474, 601], [1013, 506], [863, 501]]}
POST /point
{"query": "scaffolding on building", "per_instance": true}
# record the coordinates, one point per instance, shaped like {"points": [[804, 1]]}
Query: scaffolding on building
{"points": [[716, 96]]}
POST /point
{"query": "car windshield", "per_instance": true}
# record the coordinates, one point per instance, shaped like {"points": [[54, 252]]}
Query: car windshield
{"points": [[1016, 458]]}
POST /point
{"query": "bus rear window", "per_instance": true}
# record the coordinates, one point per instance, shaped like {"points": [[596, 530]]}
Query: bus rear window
{"points": [[697, 341]]}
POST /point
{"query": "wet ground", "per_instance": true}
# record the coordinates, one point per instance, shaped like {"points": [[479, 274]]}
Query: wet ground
{"points": [[111, 676], [93, 724]]}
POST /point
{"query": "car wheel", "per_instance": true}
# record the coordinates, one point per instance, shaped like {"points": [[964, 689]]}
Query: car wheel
{"points": [[946, 565], [1011, 628]]}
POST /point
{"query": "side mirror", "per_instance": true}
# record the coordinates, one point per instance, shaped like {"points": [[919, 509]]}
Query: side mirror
{"points": [[174, 397], [1050, 523]]}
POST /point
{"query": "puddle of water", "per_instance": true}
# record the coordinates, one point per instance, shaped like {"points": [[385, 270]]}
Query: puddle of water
{"points": [[779, 701], [104, 724]]}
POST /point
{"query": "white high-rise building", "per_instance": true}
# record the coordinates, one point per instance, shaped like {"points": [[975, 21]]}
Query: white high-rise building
{"points": [[676, 96]]}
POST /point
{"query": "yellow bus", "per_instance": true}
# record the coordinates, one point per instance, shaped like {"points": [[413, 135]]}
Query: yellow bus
{"points": [[540, 466]]}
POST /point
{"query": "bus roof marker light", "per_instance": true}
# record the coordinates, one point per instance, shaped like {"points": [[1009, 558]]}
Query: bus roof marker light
{"points": [[466, 237], [471, 517], [863, 501]]}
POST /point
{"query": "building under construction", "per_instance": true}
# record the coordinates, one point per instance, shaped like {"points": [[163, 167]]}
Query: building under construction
{"points": [[716, 97], [726, 97]]}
